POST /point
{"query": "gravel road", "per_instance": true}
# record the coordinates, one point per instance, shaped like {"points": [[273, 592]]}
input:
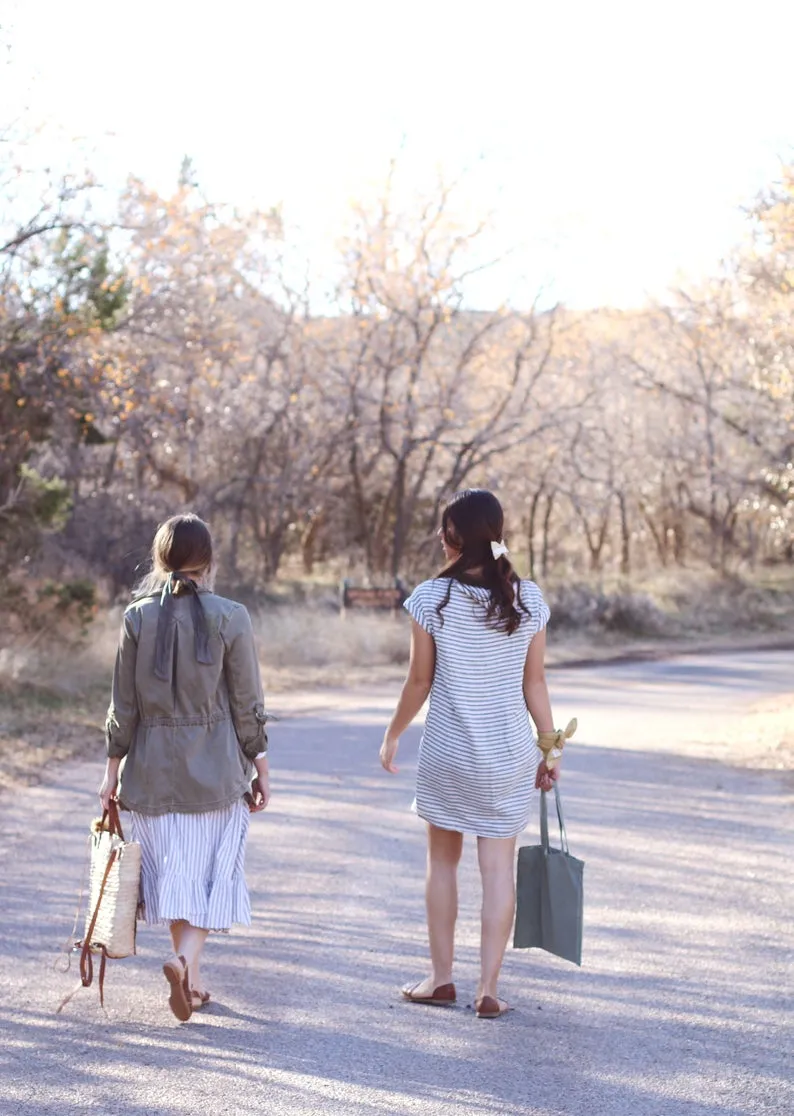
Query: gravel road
{"points": [[682, 1006]]}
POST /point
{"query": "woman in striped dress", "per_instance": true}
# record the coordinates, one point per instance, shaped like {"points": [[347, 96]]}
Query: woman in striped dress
{"points": [[187, 718], [477, 650]]}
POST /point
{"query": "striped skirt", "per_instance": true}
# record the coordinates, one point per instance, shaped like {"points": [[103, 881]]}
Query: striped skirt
{"points": [[193, 867]]}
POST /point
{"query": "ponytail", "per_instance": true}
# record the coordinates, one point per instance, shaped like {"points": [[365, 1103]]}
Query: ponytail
{"points": [[473, 521], [505, 606]]}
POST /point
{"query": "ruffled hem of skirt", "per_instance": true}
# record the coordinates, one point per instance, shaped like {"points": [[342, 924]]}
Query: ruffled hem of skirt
{"points": [[216, 907]]}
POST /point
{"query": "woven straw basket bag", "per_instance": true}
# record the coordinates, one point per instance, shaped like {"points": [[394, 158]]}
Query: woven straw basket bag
{"points": [[114, 887]]}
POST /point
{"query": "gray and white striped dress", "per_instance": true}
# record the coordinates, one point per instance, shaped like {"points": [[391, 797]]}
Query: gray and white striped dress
{"points": [[478, 757]]}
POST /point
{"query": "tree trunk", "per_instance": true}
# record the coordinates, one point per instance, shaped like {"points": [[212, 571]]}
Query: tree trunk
{"points": [[533, 514], [309, 541], [400, 525], [625, 536], [235, 526], [658, 534], [544, 566], [360, 505]]}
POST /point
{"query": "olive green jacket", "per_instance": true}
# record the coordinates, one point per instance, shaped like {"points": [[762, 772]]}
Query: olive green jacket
{"points": [[188, 738]]}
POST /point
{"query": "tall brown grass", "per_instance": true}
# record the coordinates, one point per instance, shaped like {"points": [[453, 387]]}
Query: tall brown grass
{"points": [[316, 639], [42, 665], [291, 638]]}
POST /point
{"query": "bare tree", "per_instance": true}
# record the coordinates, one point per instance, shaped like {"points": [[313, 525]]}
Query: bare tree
{"points": [[434, 392]]}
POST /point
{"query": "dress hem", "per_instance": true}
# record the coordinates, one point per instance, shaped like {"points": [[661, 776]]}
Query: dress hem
{"points": [[468, 831]]}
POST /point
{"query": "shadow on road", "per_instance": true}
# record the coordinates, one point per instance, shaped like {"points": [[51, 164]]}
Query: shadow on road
{"points": [[679, 1007]]}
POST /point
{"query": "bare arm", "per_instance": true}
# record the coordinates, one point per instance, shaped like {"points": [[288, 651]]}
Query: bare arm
{"points": [[536, 696], [536, 693], [414, 692], [110, 781]]}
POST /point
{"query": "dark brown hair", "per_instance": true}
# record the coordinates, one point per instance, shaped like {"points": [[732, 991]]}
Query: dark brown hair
{"points": [[183, 543], [470, 522]]}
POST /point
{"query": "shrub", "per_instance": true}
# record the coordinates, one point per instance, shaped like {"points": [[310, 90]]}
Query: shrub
{"points": [[583, 608]]}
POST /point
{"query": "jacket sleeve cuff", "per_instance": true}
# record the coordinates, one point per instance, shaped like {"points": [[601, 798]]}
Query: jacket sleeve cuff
{"points": [[117, 741], [116, 746], [255, 746]]}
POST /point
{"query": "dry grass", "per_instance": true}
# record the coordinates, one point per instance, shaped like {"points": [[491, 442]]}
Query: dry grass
{"points": [[300, 637], [53, 698], [61, 670], [294, 644], [676, 605], [52, 701]]}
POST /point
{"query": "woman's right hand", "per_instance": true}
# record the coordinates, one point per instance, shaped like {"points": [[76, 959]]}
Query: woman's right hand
{"points": [[260, 787], [260, 795], [388, 750], [110, 783], [107, 792]]}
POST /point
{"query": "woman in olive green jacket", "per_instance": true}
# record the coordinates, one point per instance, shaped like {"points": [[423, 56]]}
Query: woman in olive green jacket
{"points": [[187, 719]]}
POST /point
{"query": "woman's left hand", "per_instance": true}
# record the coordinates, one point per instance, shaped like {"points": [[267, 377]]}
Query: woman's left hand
{"points": [[546, 777], [388, 750]]}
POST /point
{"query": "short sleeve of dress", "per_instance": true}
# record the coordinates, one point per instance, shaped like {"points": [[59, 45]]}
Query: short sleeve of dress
{"points": [[532, 599], [420, 607]]}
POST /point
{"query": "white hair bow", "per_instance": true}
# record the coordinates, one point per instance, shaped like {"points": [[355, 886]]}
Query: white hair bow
{"points": [[498, 549]]}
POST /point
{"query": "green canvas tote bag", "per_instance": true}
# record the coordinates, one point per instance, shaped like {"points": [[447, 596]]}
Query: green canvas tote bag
{"points": [[549, 893]]}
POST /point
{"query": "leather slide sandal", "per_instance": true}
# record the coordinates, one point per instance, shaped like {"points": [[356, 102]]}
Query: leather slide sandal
{"points": [[490, 1008], [199, 999], [443, 996], [179, 999]]}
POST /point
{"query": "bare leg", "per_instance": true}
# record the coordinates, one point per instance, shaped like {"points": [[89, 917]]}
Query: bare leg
{"points": [[495, 855], [444, 847], [177, 929], [192, 943]]}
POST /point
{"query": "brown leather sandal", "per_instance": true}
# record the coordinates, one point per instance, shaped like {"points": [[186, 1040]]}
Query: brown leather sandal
{"points": [[179, 1000], [198, 999], [490, 1008], [443, 996]]}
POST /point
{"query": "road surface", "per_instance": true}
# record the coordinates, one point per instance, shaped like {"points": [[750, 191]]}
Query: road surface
{"points": [[682, 1006]]}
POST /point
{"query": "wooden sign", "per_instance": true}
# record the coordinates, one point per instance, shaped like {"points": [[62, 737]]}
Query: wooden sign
{"points": [[381, 598]]}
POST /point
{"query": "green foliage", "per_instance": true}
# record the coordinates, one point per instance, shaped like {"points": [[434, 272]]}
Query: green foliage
{"points": [[86, 286], [71, 598], [48, 500], [58, 299], [63, 610], [37, 505]]}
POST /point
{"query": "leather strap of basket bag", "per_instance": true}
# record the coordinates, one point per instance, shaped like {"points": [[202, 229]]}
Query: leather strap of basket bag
{"points": [[86, 960]]}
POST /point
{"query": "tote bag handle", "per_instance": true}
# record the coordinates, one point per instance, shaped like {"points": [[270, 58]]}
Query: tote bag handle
{"points": [[544, 821]]}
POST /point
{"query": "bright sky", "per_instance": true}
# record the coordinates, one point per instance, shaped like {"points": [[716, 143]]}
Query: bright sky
{"points": [[612, 140]]}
